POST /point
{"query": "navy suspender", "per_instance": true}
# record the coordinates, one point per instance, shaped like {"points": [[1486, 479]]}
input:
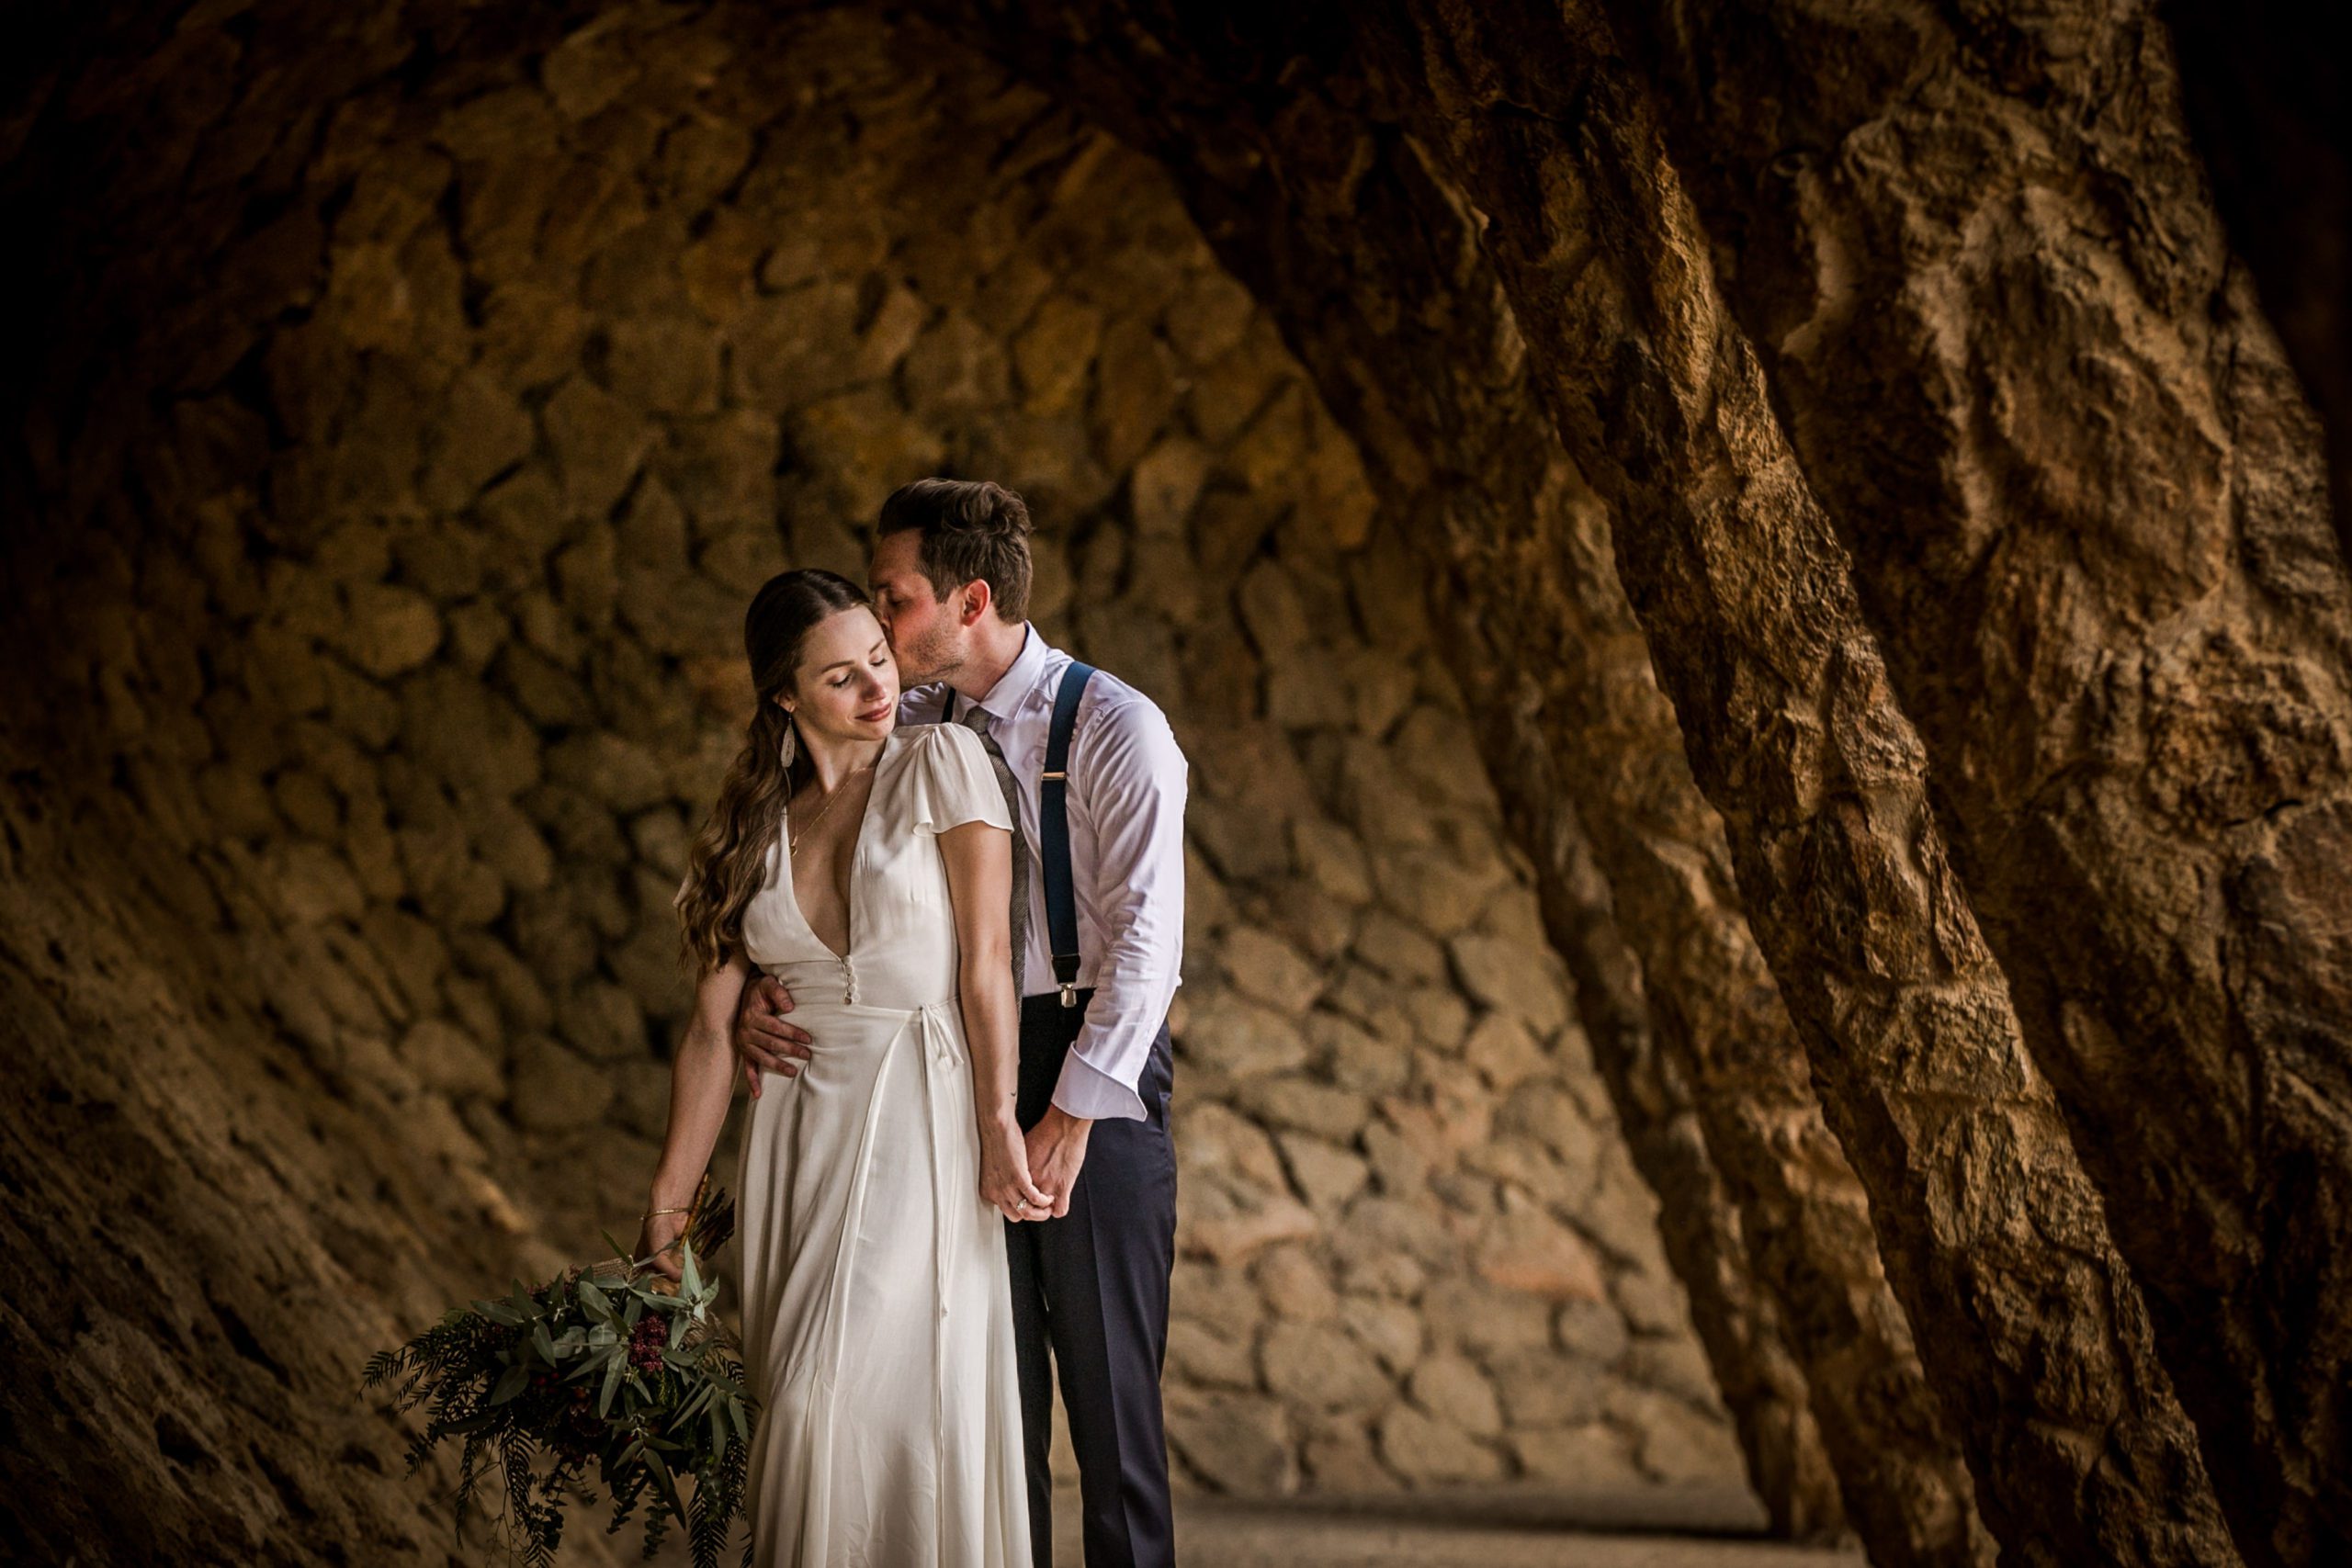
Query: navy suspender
{"points": [[1053, 826], [1052, 831]]}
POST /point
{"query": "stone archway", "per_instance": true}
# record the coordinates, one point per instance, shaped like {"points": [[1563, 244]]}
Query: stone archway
{"points": [[1938, 823], [398, 485]]}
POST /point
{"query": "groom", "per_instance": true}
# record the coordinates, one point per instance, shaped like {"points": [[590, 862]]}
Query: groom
{"points": [[1098, 932]]}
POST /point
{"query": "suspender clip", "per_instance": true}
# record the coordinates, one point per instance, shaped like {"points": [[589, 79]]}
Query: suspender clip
{"points": [[1053, 832]]}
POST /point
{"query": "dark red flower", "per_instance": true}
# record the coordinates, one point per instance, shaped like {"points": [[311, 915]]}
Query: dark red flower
{"points": [[646, 1341]]}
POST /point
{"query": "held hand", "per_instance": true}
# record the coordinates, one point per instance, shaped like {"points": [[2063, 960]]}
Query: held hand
{"points": [[1004, 1173], [657, 1240], [762, 1040], [1057, 1152]]}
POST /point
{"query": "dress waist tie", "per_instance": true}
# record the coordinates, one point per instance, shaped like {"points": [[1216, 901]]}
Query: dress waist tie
{"points": [[938, 1059], [941, 1057]]}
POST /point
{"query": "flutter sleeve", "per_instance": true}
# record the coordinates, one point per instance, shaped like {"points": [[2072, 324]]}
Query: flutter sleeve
{"points": [[950, 781]]}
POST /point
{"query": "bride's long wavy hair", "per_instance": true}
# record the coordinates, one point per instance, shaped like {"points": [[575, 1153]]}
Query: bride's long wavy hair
{"points": [[728, 861]]}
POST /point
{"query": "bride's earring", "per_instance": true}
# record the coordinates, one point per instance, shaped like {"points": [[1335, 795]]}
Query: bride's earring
{"points": [[791, 746]]}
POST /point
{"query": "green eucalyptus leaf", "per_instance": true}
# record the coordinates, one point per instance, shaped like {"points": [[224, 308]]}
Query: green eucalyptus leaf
{"points": [[613, 1370], [511, 1381], [668, 1482]]}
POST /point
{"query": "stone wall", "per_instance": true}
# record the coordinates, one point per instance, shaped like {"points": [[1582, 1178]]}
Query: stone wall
{"points": [[399, 561]]}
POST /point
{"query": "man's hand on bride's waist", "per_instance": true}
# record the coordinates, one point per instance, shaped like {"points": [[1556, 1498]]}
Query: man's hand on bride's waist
{"points": [[764, 1041]]}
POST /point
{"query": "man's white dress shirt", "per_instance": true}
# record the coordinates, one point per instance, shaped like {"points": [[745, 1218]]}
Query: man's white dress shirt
{"points": [[1126, 850]]}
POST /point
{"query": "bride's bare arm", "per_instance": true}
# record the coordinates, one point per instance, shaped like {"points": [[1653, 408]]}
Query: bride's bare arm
{"points": [[980, 886], [702, 1084]]}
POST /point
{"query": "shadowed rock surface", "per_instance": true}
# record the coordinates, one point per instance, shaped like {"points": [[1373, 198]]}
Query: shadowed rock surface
{"points": [[1725, 462], [1793, 730], [2128, 660]]}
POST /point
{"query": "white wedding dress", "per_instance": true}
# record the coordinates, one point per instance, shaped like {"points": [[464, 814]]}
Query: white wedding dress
{"points": [[877, 1324]]}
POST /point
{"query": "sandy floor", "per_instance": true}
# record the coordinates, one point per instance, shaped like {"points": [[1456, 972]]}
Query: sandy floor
{"points": [[1686, 1530], [1650, 1529]]}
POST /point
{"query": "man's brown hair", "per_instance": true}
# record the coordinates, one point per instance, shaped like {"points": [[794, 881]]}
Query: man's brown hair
{"points": [[973, 531]]}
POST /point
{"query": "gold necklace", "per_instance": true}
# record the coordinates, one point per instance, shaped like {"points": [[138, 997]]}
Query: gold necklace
{"points": [[792, 839]]}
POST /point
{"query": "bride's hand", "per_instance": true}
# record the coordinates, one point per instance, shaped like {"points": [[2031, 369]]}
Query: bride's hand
{"points": [[1004, 1173], [657, 1241]]}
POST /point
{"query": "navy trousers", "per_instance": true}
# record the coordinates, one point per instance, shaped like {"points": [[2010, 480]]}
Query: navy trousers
{"points": [[1090, 1301]]}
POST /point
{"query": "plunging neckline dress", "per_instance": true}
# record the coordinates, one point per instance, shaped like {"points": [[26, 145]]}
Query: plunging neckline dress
{"points": [[878, 1320]]}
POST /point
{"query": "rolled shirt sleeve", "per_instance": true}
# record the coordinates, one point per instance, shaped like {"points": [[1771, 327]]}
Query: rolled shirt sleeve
{"points": [[1129, 776]]}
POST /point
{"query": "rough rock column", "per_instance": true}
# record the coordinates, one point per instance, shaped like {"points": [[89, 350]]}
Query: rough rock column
{"points": [[1992, 1236], [1475, 480], [2088, 507], [1747, 1342], [1473, 477], [1597, 754]]}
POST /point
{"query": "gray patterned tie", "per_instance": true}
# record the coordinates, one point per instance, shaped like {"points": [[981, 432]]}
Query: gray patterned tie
{"points": [[977, 719]]}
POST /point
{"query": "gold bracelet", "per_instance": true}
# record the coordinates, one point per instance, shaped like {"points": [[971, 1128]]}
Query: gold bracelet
{"points": [[653, 1213]]}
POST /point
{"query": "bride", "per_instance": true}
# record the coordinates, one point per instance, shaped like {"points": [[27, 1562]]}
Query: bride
{"points": [[869, 867]]}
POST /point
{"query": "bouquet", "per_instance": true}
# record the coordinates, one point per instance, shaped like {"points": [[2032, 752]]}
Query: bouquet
{"points": [[609, 1365]]}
